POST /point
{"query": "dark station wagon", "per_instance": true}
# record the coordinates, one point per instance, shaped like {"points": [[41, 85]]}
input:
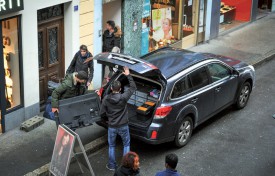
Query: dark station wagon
{"points": [[177, 90]]}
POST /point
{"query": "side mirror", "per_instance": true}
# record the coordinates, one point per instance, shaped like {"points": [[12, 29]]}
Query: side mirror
{"points": [[235, 72]]}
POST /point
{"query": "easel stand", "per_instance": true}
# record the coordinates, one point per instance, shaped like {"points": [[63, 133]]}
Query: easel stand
{"points": [[81, 156]]}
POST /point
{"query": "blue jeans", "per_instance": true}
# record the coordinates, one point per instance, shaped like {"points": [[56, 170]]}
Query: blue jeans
{"points": [[123, 132]]}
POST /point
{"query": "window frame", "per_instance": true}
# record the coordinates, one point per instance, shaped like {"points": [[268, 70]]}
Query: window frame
{"points": [[220, 63], [21, 77], [186, 77], [208, 77]]}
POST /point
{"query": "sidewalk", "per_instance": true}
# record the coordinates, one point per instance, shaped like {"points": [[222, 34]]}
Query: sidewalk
{"points": [[252, 44], [23, 152]]}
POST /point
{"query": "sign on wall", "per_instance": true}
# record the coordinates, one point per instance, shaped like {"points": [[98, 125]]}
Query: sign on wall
{"points": [[146, 8], [9, 6], [145, 41], [162, 24]]}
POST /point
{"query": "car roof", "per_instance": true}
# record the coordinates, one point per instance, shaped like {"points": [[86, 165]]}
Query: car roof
{"points": [[171, 61]]}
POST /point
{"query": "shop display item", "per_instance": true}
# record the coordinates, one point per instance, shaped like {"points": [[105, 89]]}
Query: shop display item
{"points": [[146, 108], [155, 93]]}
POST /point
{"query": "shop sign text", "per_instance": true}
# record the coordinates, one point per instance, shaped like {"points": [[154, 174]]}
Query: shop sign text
{"points": [[8, 6]]}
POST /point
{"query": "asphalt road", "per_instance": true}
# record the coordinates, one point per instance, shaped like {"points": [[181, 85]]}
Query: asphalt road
{"points": [[231, 143]]}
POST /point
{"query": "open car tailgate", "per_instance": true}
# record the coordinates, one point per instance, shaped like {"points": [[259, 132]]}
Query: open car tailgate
{"points": [[120, 60]]}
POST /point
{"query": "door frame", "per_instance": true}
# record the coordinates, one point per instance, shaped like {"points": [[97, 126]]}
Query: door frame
{"points": [[191, 40], [47, 24]]}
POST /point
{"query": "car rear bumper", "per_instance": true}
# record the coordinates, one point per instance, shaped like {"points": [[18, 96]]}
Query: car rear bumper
{"points": [[144, 134], [152, 141]]}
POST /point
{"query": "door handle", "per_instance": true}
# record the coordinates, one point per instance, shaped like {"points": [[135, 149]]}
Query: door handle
{"points": [[217, 89], [194, 100]]}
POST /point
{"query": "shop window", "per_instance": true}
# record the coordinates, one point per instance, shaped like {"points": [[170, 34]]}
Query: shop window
{"points": [[161, 24], [11, 62], [234, 13]]}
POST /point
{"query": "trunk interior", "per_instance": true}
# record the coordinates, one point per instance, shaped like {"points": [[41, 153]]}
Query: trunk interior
{"points": [[143, 102]]}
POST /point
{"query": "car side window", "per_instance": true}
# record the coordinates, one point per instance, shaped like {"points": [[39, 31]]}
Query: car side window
{"points": [[182, 87], [218, 71], [199, 78]]}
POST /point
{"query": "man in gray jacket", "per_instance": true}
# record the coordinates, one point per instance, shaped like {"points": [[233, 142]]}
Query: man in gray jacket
{"points": [[114, 106]]}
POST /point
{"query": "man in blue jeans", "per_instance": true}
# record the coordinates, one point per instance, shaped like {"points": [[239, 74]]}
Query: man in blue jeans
{"points": [[114, 107]]}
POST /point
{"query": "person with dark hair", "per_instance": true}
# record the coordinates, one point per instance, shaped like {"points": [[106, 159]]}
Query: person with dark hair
{"points": [[111, 38], [130, 165], [72, 85], [114, 107], [171, 161], [82, 61], [61, 154]]}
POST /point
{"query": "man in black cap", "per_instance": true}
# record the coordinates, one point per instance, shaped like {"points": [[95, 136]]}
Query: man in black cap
{"points": [[73, 85]]}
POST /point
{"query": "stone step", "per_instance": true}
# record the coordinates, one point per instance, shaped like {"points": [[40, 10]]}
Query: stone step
{"points": [[32, 123]]}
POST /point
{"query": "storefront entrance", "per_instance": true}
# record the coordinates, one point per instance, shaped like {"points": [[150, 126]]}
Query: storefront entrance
{"points": [[189, 23], [50, 48], [234, 13], [264, 8]]}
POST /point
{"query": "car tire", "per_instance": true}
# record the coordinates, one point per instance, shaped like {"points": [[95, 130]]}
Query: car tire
{"points": [[243, 95], [184, 132]]}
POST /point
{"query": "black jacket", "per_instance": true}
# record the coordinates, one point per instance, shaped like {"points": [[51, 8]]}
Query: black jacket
{"points": [[114, 106], [124, 171], [78, 64], [111, 40]]}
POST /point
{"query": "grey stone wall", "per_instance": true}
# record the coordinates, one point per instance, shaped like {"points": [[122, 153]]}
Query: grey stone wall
{"points": [[131, 11]]}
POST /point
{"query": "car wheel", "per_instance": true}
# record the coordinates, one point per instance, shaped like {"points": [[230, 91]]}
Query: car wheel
{"points": [[184, 132], [243, 95]]}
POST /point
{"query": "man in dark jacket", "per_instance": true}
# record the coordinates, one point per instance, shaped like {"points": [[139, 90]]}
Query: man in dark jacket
{"points": [[82, 61], [111, 38], [73, 85], [114, 106], [171, 161]]}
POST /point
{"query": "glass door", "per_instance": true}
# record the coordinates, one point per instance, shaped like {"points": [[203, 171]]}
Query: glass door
{"points": [[201, 27], [189, 26]]}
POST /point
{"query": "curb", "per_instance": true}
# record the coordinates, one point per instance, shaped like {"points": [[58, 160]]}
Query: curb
{"points": [[90, 148], [263, 60]]}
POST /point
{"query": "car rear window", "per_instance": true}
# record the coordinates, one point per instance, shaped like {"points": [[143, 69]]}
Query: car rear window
{"points": [[181, 88]]}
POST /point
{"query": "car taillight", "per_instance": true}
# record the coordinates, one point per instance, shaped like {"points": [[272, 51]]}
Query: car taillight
{"points": [[162, 112], [154, 135]]}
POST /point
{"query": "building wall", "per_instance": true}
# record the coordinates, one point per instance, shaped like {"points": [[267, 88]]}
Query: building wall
{"points": [[86, 23], [97, 40], [30, 52], [112, 11], [132, 12]]}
